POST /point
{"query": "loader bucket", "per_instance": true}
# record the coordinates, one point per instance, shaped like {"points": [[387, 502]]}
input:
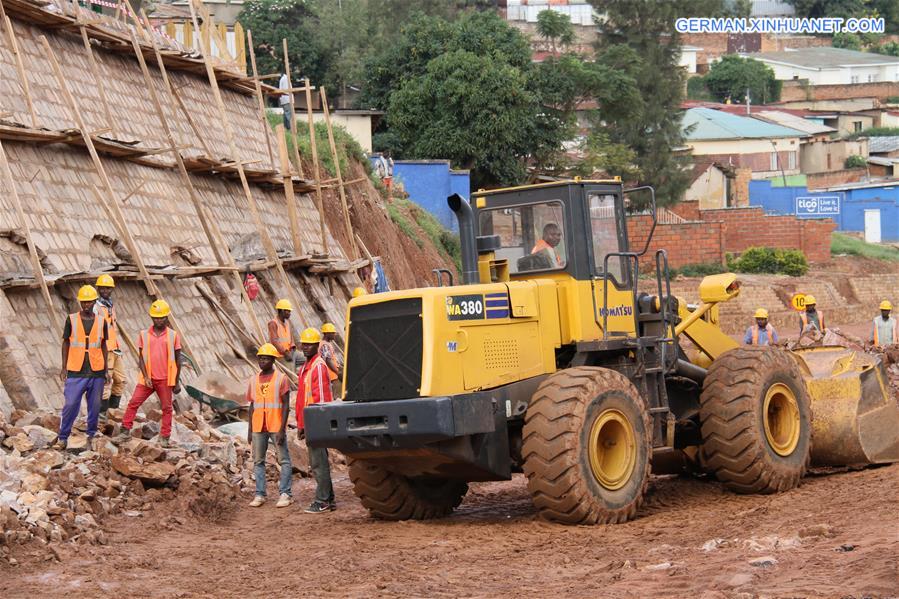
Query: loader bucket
{"points": [[855, 422]]}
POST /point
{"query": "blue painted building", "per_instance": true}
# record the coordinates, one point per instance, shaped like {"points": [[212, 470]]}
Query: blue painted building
{"points": [[872, 208], [429, 183]]}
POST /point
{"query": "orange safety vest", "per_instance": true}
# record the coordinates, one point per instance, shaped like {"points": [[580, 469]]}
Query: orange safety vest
{"points": [[267, 410], [108, 314], [81, 343], [542, 245], [171, 364], [307, 381], [284, 339], [755, 334], [803, 316], [895, 333]]}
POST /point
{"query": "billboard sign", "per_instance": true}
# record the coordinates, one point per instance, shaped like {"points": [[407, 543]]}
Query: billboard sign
{"points": [[818, 206]]}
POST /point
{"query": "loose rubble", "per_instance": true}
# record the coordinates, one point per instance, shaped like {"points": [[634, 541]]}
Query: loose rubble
{"points": [[49, 496]]}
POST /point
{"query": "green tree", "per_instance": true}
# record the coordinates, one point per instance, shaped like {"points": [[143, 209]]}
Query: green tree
{"points": [[889, 48], [848, 41], [555, 28], [732, 76], [638, 37], [470, 108]]}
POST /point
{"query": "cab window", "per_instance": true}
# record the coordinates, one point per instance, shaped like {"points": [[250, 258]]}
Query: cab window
{"points": [[532, 237], [606, 234]]}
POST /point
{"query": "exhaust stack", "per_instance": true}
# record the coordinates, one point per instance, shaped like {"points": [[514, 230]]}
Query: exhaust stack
{"points": [[464, 214]]}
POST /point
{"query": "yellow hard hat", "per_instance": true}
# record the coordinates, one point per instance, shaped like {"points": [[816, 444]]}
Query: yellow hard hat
{"points": [[160, 308], [809, 300], [310, 335], [328, 328], [358, 291], [884, 305], [87, 294], [283, 304], [268, 349], [105, 281], [761, 313]]}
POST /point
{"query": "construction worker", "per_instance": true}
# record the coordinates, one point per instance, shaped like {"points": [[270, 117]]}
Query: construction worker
{"points": [[84, 368], [811, 318], [332, 354], [159, 359], [279, 332], [886, 328], [268, 394], [313, 387], [552, 237], [762, 333], [112, 394]]}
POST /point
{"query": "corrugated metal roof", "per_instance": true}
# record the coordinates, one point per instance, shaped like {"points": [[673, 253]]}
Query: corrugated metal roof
{"points": [[794, 122], [825, 58], [715, 124], [889, 143]]}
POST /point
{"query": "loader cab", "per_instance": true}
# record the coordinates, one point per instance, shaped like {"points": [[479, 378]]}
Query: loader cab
{"points": [[561, 228]]}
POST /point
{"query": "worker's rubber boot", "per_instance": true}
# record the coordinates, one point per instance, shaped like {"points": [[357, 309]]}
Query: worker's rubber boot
{"points": [[104, 411], [124, 435], [114, 401], [164, 442]]}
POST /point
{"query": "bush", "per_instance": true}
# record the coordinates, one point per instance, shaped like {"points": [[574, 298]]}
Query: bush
{"points": [[770, 260], [698, 270], [855, 161], [875, 132]]}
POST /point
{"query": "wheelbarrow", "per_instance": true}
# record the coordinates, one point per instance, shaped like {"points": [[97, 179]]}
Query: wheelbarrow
{"points": [[224, 396]]}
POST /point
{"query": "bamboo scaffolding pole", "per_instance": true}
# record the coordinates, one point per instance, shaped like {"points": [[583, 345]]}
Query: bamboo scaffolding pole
{"points": [[223, 258], [288, 191], [36, 267], [340, 188], [316, 169], [101, 87], [266, 128], [251, 201], [20, 67], [293, 112], [112, 207], [190, 120]]}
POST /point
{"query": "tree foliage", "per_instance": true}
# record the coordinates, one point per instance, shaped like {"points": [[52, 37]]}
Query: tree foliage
{"points": [[732, 76], [555, 28], [887, 9]]}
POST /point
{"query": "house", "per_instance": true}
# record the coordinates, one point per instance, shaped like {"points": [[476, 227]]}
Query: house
{"points": [[883, 155], [358, 123], [738, 141], [869, 207], [688, 56], [830, 66]]}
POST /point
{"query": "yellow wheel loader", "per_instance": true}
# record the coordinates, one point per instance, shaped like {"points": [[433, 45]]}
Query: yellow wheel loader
{"points": [[550, 360]]}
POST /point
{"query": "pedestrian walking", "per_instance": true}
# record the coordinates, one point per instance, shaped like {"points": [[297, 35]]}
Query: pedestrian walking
{"points": [[268, 394], [762, 333], [112, 392], [885, 329], [84, 369], [159, 360], [314, 387]]}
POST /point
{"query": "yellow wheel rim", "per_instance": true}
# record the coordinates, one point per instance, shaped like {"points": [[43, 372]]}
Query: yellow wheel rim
{"points": [[612, 449], [781, 416]]}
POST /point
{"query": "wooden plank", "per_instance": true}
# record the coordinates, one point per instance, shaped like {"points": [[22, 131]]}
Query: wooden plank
{"points": [[266, 128], [293, 114], [20, 67], [98, 81], [316, 170], [36, 267], [292, 211], [248, 194], [342, 192]]}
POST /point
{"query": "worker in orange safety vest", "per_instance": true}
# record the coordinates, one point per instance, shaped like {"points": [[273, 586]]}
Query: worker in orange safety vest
{"points": [[279, 332], [332, 354], [159, 360], [314, 387], [886, 328], [762, 333], [268, 394], [811, 318], [112, 394], [552, 237]]}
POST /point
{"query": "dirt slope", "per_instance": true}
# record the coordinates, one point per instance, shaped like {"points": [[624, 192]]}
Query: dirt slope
{"points": [[835, 536]]}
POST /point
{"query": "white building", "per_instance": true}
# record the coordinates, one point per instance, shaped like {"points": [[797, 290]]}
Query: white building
{"points": [[831, 66], [688, 58]]}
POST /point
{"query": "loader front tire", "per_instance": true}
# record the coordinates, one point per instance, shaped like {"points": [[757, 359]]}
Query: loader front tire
{"points": [[587, 447], [391, 496], [756, 420]]}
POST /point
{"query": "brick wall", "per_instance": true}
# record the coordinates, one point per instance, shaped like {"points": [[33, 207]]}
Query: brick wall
{"points": [[686, 243], [714, 45], [796, 91], [740, 186], [831, 178]]}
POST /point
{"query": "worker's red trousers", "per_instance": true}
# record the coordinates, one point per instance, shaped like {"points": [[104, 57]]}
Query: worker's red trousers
{"points": [[141, 393]]}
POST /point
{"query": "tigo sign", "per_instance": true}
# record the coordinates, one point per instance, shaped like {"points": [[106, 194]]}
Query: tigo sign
{"points": [[818, 206]]}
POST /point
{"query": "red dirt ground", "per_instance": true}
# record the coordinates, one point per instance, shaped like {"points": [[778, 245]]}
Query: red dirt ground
{"points": [[835, 536]]}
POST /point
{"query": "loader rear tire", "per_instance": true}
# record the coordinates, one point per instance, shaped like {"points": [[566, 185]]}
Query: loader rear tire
{"points": [[587, 447], [391, 496], [756, 420]]}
